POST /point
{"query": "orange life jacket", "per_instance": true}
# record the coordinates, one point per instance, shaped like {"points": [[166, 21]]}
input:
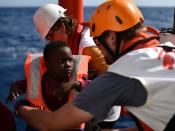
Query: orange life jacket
{"points": [[143, 40], [35, 68]]}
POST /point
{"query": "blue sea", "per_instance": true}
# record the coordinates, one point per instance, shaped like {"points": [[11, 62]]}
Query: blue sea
{"points": [[18, 37]]}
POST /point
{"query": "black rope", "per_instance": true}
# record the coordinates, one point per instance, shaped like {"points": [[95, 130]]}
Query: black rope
{"points": [[167, 48]]}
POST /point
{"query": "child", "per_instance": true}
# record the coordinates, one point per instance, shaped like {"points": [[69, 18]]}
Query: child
{"points": [[56, 82]]}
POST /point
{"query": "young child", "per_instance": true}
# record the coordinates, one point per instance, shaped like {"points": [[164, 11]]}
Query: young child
{"points": [[56, 82]]}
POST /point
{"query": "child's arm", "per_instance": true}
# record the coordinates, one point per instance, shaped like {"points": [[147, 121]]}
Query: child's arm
{"points": [[77, 85], [17, 88], [73, 84], [82, 85]]}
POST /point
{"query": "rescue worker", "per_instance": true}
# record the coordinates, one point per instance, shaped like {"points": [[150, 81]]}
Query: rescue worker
{"points": [[52, 24], [141, 75], [88, 46]]}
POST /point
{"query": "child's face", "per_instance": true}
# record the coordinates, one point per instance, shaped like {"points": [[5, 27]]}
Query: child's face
{"points": [[60, 63]]}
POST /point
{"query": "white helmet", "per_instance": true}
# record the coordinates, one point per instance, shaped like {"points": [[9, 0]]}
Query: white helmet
{"points": [[46, 16]]}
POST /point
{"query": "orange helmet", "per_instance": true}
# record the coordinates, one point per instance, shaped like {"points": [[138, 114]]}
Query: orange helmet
{"points": [[115, 15]]}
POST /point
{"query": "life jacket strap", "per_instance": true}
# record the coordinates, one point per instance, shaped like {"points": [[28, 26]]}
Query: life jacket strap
{"points": [[142, 41]]}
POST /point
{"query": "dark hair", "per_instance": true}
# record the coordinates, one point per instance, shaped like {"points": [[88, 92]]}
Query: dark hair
{"points": [[70, 25], [132, 32], [127, 34], [51, 46]]}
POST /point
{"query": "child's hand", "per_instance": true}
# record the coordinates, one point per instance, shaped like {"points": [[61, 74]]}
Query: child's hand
{"points": [[70, 85], [15, 90], [22, 102], [66, 87]]}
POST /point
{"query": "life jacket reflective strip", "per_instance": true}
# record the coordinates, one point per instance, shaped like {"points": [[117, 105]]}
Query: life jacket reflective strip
{"points": [[35, 68]]}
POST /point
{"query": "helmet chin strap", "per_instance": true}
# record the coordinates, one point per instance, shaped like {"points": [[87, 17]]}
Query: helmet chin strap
{"points": [[115, 54], [109, 50], [117, 48]]}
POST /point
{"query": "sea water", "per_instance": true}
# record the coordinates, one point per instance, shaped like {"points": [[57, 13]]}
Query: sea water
{"points": [[18, 37]]}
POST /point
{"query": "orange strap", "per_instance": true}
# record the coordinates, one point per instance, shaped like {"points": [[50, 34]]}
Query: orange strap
{"points": [[141, 36], [153, 30]]}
